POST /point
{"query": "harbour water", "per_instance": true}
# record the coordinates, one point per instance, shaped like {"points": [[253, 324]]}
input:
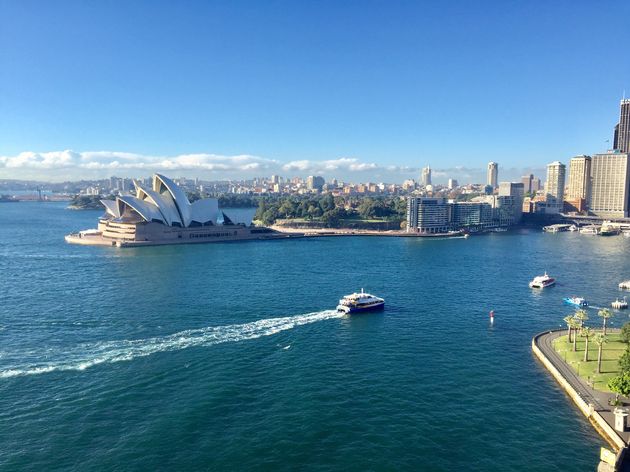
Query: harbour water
{"points": [[228, 356]]}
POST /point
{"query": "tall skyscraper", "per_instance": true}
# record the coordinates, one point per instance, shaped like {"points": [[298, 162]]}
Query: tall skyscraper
{"points": [[610, 174], [452, 183], [621, 140], [554, 187], [527, 182], [426, 176], [493, 174], [579, 178]]}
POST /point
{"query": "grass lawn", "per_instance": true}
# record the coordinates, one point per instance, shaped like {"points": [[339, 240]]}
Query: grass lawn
{"points": [[611, 352]]}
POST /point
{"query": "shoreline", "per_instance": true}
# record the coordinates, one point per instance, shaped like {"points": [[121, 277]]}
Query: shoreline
{"points": [[587, 399], [322, 232]]}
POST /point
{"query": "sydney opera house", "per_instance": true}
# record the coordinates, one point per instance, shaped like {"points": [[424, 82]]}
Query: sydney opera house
{"points": [[164, 215]]}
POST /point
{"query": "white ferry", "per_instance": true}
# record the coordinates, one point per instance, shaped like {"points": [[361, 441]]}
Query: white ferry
{"points": [[358, 302], [542, 281], [590, 229], [620, 304]]}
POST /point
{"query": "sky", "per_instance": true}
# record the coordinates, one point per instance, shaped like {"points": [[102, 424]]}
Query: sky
{"points": [[358, 90]]}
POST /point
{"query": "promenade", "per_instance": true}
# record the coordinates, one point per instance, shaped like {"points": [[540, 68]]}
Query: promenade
{"points": [[593, 403]]}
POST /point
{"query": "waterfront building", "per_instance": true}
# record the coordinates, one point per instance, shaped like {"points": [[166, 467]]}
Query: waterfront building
{"points": [[609, 185], [425, 178], [554, 187], [493, 174], [471, 215], [621, 141], [510, 202], [452, 184], [428, 215], [163, 214]]}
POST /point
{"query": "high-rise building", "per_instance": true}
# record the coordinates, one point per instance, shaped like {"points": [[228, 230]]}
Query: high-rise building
{"points": [[535, 184], [621, 141], [610, 179], [527, 183], [554, 187], [510, 199], [315, 182], [275, 179], [426, 176], [493, 174], [579, 186], [452, 183]]}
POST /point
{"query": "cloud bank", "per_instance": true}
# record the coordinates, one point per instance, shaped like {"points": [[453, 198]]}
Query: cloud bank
{"points": [[72, 165]]}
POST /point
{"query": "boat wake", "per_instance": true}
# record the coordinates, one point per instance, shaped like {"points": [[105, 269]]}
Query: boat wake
{"points": [[88, 355]]}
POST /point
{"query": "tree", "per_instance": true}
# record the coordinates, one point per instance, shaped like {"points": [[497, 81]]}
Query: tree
{"points": [[605, 313], [620, 385], [624, 361], [575, 324], [600, 339], [567, 320], [586, 333], [581, 316], [624, 336]]}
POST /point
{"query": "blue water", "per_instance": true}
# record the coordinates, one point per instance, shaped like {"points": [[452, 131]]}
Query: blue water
{"points": [[227, 356]]}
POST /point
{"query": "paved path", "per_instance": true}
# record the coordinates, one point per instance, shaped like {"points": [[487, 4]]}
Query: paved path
{"points": [[588, 394]]}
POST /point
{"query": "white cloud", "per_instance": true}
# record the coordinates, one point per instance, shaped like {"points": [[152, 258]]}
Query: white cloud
{"points": [[71, 165]]}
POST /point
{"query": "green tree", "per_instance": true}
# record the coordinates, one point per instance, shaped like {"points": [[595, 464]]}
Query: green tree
{"points": [[586, 333], [600, 339], [575, 324], [620, 385], [624, 335], [605, 313], [568, 320], [581, 316], [624, 361]]}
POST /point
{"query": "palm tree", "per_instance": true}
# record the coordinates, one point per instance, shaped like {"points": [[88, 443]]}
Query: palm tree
{"points": [[567, 320], [581, 316], [586, 333], [600, 339], [575, 324], [605, 313]]}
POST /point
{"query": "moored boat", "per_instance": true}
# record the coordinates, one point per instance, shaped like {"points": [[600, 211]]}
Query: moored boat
{"points": [[359, 302], [625, 285], [542, 281], [575, 301], [620, 304]]}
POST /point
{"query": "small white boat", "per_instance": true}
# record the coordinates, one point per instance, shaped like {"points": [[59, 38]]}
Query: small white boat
{"points": [[620, 304], [625, 285], [575, 301], [590, 229], [542, 281], [573, 228], [626, 233]]}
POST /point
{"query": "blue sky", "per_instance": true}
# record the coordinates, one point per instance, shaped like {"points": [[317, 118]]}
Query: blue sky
{"points": [[368, 90]]}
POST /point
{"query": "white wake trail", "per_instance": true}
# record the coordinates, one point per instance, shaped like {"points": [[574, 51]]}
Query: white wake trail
{"points": [[88, 355]]}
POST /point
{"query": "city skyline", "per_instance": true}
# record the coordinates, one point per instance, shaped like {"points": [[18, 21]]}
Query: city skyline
{"points": [[246, 86]]}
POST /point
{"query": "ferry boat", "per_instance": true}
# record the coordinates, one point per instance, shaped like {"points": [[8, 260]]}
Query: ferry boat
{"points": [[542, 281], [625, 285], [359, 302], [620, 304], [575, 301]]}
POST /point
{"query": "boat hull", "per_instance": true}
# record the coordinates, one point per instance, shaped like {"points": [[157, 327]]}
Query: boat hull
{"points": [[352, 310], [581, 304], [545, 285]]}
